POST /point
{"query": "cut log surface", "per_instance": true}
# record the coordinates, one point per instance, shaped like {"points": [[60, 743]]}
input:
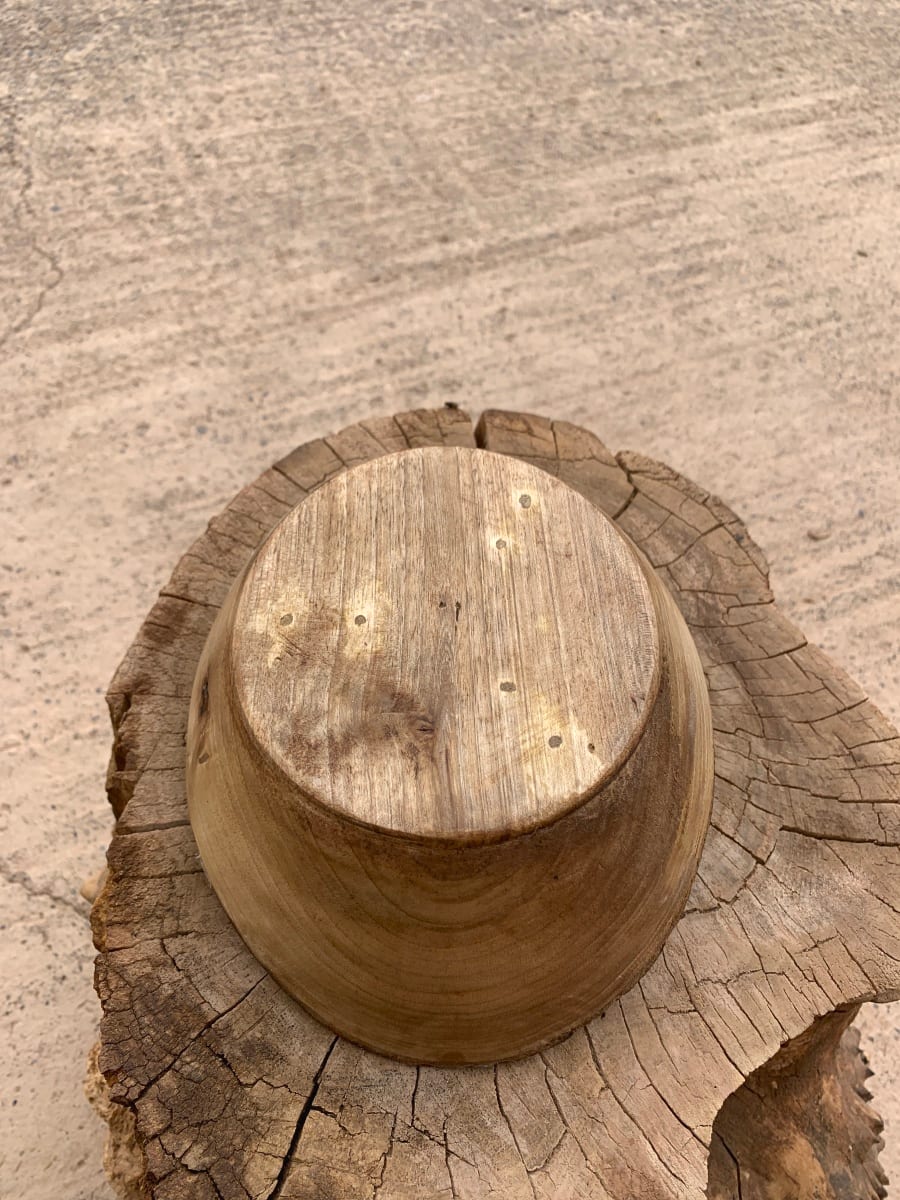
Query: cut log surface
{"points": [[794, 915]]}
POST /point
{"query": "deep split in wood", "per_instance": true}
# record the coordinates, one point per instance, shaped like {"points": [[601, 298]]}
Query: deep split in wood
{"points": [[449, 767]]}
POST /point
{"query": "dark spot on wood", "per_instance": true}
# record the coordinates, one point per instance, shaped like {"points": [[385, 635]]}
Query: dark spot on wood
{"points": [[388, 712], [458, 607], [120, 754], [591, 747], [450, 404], [204, 757], [501, 544], [525, 501], [442, 604], [555, 741], [507, 686], [204, 697], [287, 619], [360, 620]]}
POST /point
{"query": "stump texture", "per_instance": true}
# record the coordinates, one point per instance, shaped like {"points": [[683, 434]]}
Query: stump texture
{"points": [[793, 920]]}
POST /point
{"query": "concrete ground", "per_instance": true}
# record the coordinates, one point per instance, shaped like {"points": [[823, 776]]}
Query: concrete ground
{"points": [[226, 228]]}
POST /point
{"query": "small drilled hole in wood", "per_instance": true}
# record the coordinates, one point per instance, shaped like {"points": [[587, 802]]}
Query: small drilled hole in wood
{"points": [[360, 620], [501, 544], [287, 619], [591, 747], [507, 686], [525, 501], [555, 741]]}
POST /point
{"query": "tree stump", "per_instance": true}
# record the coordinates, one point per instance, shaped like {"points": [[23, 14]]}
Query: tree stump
{"points": [[725, 1070]]}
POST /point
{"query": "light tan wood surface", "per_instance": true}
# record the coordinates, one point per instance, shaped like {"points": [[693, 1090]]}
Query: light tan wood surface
{"points": [[446, 642], [236, 1090], [450, 757]]}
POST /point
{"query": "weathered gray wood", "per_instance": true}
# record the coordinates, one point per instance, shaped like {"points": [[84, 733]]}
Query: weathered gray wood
{"points": [[794, 915]]}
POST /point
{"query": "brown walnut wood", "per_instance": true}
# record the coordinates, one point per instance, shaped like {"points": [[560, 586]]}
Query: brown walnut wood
{"points": [[454, 829], [794, 915]]}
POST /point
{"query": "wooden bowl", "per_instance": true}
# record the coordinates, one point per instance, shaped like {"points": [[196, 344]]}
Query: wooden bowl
{"points": [[450, 757]]}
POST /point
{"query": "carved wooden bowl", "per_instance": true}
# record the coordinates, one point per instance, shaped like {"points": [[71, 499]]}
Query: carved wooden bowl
{"points": [[450, 756]]}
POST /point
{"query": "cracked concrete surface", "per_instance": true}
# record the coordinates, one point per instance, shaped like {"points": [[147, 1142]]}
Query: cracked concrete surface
{"points": [[225, 230], [22, 223]]}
